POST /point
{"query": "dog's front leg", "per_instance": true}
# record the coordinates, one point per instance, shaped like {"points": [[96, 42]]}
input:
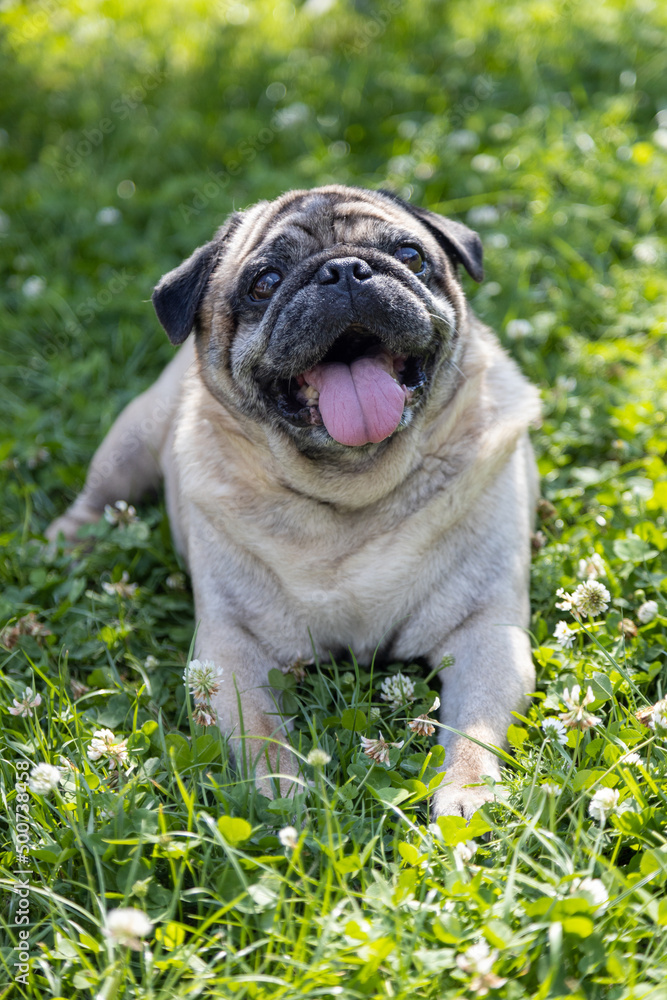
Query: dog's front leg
{"points": [[491, 675], [247, 709]]}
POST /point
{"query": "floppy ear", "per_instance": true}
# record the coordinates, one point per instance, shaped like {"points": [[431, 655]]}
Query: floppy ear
{"points": [[460, 243], [178, 294]]}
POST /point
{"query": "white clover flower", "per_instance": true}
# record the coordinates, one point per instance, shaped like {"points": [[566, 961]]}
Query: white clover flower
{"points": [[378, 749], [627, 628], [176, 581], [298, 668], [551, 788], [141, 887], [27, 625], [374, 714], [44, 779], [291, 115], [66, 766], [563, 635], [41, 455], [654, 716], [592, 567], [657, 720], [108, 216], [647, 611], [397, 690], [347, 679], [566, 383], [591, 887], [121, 514], [204, 715], [463, 139], [538, 540], [203, 678], [121, 588], [577, 716], [566, 600], [603, 804], [631, 759], [289, 837], [483, 215], [25, 705], [478, 961], [65, 714], [78, 688], [517, 329], [591, 598], [645, 252], [465, 851], [151, 662], [126, 926], [318, 757], [497, 240], [477, 958], [33, 287], [422, 725], [554, 729], [485, 163], [105, 744]]}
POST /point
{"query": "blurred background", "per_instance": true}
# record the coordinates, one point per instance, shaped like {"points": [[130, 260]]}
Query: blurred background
{"points": [[128, 132]]}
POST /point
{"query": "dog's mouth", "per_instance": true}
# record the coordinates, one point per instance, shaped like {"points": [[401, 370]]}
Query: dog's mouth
{"points": [[359, 390]]}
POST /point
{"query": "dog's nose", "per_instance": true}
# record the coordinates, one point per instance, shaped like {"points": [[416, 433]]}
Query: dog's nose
{"points": [[349, 270]]}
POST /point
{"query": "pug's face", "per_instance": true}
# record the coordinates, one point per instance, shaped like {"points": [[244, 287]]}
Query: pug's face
{"points": [[327, 314]]}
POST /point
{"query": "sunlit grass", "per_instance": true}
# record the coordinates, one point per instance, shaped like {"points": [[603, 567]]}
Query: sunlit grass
{"points": [[551, 114]]}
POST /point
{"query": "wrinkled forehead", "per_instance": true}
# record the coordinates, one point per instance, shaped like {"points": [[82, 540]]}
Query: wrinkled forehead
{"points": [[306, 222]]}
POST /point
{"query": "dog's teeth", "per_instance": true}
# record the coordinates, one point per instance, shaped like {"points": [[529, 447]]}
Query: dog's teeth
{"points": [[311, 394]]}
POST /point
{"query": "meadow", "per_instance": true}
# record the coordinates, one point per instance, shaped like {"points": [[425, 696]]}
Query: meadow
{"points": [[126, 137]]}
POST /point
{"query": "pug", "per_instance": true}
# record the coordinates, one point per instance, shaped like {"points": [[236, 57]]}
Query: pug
{"points": [[347, 465]]}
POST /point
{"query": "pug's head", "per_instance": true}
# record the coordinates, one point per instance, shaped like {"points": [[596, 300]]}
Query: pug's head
{"points": [[329, 314]]}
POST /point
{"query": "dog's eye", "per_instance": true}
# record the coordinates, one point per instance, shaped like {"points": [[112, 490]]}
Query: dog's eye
{"points": [[411, 258], [265, 286]]}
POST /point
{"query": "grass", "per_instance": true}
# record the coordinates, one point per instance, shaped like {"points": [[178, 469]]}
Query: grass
{"points": [[169, 116]]}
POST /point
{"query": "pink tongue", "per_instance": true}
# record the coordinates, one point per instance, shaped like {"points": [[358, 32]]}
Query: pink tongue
{"points": [[360, 402]]}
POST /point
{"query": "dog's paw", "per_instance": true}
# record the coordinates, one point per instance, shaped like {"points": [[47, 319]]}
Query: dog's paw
{"points": [[274, 767], [454, 799], [69, 523], [283, 784]]}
